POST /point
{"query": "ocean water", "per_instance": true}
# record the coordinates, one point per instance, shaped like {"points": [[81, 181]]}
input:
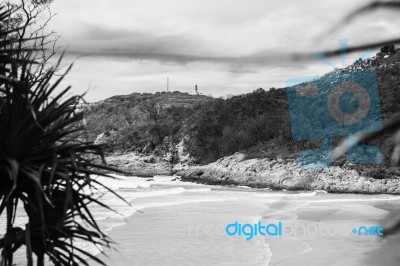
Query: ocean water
{"points": [[178, 223], [170, 222]]}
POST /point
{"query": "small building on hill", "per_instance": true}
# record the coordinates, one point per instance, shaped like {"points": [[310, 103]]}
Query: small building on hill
{"points": [[388, 49]]}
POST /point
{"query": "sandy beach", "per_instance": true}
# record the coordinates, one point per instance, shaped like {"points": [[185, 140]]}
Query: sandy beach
{"points": [[184, 224]]}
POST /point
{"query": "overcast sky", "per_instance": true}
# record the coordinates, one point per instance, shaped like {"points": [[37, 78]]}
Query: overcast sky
{"points": [[224, 46]]}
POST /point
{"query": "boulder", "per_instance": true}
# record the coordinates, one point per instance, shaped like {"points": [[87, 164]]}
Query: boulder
{"points": [[107, 138]]}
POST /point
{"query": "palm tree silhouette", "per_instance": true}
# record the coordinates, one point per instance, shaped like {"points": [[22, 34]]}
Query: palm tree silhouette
{"points": [[46, 165]]}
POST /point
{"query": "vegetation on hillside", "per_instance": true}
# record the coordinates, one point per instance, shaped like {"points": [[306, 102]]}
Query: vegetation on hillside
{"points": [[141, 119], [216, 127]]}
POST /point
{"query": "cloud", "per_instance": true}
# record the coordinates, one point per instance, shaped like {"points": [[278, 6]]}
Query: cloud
{"points": [[226, 46], [242, 70]]}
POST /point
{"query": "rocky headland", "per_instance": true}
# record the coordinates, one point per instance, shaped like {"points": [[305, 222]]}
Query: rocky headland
{"points": [[142, 166], [286, 174], [244, 139]]}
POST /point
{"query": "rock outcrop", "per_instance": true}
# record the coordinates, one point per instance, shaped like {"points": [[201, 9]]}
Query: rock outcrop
{"points": [[137, 165], [286, 174]]}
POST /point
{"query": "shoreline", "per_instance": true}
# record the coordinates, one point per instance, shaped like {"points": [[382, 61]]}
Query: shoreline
{"points": [[279, 174], [309, 214], [275, 174], [125, 241]]}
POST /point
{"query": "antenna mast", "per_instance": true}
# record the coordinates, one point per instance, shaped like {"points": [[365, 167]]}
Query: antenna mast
{"points": [[167, 84]]}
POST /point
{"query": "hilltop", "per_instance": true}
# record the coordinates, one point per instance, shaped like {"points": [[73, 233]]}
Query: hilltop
{"points": [[136, 119], [182, 128], [167, 99]]}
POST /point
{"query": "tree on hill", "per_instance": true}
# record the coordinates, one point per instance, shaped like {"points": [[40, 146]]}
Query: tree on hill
{"points": [[153, 109]]}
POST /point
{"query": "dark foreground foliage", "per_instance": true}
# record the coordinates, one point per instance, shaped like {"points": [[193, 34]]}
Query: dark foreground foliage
{"points": [[46, 168]]}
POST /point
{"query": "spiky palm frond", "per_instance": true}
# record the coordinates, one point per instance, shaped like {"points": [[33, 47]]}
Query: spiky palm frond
{"points": [[392, 124], [45, 167], [364, 9], [45, 163]]}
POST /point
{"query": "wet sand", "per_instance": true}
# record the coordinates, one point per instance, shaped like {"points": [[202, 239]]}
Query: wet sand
{"points": [[193, 233], [324, 234]]}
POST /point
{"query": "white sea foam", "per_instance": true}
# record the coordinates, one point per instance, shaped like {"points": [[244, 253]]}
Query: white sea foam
{"points": [[302, 195], [286, 194], [247, 187], [350, 199], [265, 256]]}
